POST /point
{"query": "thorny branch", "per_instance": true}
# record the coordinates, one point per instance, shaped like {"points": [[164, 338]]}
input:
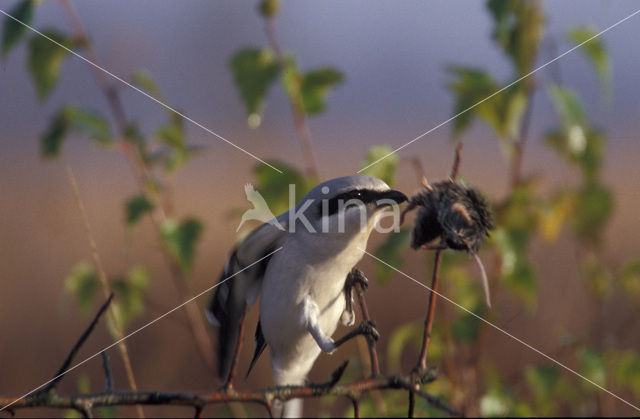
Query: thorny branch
{"points": [[74, 350], [85, 403], [353, 391], [421, 367]]}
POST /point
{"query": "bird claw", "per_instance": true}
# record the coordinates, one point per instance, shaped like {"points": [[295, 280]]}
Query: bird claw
{"points": [[357, 277], [368, 329]]}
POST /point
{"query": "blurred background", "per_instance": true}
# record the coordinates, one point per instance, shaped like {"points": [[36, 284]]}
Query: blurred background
{"points": [[163, 197]]}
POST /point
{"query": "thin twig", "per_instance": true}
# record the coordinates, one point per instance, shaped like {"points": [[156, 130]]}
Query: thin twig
{"points": [[418, 170], [356, 407], [106, 288], [193, 400], [371, 342], [428, 323], [412, 404], [108, 376], [74, 350], [371, 347], [142, 176], [421, 366], [456, 162], [297, 106]]}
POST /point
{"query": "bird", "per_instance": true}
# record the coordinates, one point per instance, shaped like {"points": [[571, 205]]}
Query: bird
{"points": [[301, 279], [260, 210]]}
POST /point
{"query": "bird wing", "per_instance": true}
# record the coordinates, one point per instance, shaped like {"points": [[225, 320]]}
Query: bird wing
{"points": [[260, 344], [231, 298]]}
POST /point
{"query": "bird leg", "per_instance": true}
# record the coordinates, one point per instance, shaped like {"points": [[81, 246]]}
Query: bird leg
{"points": [[366, 328], [358, 282], [354, 278], [311, 314]]}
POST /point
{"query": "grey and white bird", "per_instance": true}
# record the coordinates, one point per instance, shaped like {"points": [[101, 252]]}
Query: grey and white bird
{"points": [[301, 285]]}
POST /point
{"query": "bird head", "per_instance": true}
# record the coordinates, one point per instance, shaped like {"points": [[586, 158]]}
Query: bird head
{"points": [[348, 205]]}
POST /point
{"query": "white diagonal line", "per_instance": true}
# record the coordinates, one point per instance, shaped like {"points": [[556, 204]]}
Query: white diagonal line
{"points": [[503, 331], [140, 91], [139, 329], [501, 90]]}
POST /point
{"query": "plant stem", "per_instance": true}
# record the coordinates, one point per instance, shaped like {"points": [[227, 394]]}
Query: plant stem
{"points": [[297, 106], [142, 174], [106, 288], [428, 323]]}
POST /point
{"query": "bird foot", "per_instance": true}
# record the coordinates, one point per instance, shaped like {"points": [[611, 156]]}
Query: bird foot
{"points": [[357, 277], [368, 329]]}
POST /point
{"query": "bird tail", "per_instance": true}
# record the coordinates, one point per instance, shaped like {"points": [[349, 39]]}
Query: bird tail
{"points": [[226, 310]]}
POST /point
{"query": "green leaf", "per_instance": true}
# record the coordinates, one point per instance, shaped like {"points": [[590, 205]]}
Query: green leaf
{"points": [[45, 59], [568, 106], [402, 336], [582, 147], [172, 134], [13, 31], [469, 86], [315, 87], [136, 208], [83, 283], [595, 51], [391, 252], [516, 270], [599, 277], [254, 70], [627, 371], [518, 29], [543, 380], [465, 286], [89, 123], [274, 186], [555, 213], [497, 402], [130, 291], [593, 210], [180, 239], [385, 169], [629, 277], [144, 80], [53, 138], [71, 117], [593, 367], [269, 8], [473, 89], [465, 328], [545, 383]]}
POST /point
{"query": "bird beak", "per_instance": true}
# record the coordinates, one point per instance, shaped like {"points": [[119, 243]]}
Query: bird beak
{"points": [[391, 195]]}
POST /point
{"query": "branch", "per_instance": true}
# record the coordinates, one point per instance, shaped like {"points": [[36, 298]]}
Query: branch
{"points": [[297, 106], [108, 382], [264, 397], [143, 176], [421, 366], [57, 377], [106, 288], [84, 403], [371, 343]]}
